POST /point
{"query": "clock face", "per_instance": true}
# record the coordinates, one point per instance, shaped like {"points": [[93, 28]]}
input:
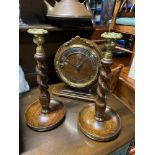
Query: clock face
{"points": [[77, 65]]}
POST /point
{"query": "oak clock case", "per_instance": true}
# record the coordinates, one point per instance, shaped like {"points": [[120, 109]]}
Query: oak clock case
{"points": [[77, 64]]}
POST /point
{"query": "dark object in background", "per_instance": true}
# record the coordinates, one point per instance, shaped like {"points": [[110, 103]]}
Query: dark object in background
{"points": [[34, 12], [108, 9], [97, 10], [68, 10]]}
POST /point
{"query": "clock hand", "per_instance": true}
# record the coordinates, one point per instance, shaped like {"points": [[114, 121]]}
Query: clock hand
{"points": [[71, 64], [81, 63]]}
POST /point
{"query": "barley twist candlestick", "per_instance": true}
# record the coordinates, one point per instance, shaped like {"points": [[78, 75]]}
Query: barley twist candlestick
{"points": [[102, 90], [41, 70], [45, 113], [99, 122]]}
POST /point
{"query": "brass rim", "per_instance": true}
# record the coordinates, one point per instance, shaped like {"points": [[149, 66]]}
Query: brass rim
{"points": [[94, 50]]}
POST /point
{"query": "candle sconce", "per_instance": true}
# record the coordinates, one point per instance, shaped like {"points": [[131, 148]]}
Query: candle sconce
{"points": [[99, 122], [45, 113]]}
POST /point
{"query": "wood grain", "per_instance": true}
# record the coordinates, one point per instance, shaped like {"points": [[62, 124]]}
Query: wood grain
{"points": [[36, 120], [125, 89], [67, 139], [125, 29]]}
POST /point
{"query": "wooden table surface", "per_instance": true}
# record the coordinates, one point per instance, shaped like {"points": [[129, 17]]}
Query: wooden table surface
{"points": [[67, 139]]}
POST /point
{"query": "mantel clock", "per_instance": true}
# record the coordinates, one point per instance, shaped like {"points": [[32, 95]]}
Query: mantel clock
{"points": [[77, 63]]}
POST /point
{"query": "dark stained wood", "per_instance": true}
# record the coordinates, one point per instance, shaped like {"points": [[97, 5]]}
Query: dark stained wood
{"points": [[44, 114], [126, 93], [67, 139], [115, 76], [124, 75], [100, 122], [102, 89], [41, 70], [105, 130], [125, 86], [125, 89], [125, 29], [87, 94], [98, 31], [125, 60], [38, 121]]}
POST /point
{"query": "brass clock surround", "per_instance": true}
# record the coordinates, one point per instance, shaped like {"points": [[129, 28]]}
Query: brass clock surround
{"points": [[77, 62]]}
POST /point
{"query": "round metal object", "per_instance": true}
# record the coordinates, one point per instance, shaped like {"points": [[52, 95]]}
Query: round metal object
{"points": [[99, 130], [68, 9], [77, 62], [43, 122]]}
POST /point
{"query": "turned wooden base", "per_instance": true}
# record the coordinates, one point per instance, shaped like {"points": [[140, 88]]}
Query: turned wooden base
{"points": [[63, 90], [99, 130], [43, 122]]}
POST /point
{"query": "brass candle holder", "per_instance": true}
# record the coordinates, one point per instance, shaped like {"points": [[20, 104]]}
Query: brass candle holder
{"points": [[99, 122], [45, 113]]}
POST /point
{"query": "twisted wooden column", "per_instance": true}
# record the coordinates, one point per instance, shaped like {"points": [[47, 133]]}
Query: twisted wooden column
{"points": [[46, 113], [102, 90], [42, 70], [104, 78], [99, 122]]}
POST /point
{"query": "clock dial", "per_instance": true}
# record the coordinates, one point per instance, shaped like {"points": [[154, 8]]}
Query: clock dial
{"points": [[77, 65]]}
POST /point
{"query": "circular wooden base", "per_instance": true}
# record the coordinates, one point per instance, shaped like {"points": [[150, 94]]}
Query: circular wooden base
{"points": [[43, 122], [99, 130]]}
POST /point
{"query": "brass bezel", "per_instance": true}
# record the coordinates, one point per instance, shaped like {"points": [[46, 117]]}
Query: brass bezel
{"points": [[81, 43]]}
